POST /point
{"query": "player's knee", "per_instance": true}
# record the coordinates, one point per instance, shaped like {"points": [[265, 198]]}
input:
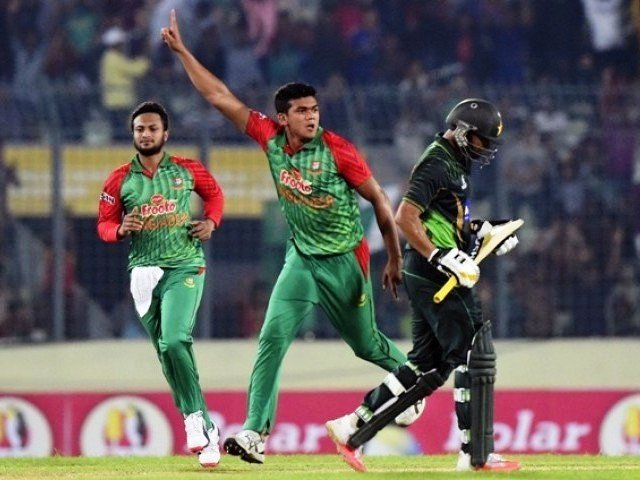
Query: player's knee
{"points": [[400, 379], [174, 343], [365, 352]]}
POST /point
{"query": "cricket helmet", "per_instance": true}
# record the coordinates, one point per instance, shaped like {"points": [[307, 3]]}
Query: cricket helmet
{"points": [[478, 117]]}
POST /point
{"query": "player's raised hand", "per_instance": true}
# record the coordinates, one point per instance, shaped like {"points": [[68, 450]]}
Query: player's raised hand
{"points": [[131, 222], [171, 34], [392, 276], [202, 229]]}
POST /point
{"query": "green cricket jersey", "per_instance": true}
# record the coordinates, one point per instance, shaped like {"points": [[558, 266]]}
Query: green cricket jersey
{"points": [[439, 187], [315, 186], [163, 201]]}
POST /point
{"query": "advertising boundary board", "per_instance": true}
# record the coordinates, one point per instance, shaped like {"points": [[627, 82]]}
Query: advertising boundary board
{"points": [[146, 423]]}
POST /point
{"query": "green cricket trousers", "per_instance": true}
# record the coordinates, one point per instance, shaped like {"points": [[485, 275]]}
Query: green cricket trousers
{"points": [[169, 322], [339, 286]]}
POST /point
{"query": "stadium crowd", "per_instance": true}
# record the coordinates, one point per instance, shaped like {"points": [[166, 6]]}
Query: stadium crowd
{"points": [[387, 70]]}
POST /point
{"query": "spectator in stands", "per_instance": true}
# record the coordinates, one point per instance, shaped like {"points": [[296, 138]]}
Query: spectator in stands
{"points": [[61, 66], [348, 15], [243, 70], [526, 168], [262, 24], [30, 53], [570, 189], [619, 132], [211, 50], [285, 59], [611, 46], [587, 297], [118, 76], [634, 10], [557, 41], [81, 24], [252, 307], [158, 12], [6, 52], [410, 133], [363, 44], [510, 35], [533, 300], [623, 305], [8, 179], [76, 326], [391, 62], [325, 54], [549, 118], [566, 255]]}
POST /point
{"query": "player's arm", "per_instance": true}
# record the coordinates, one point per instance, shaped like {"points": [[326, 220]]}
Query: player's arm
{"points": [[356, 172], [410, 224], [371, 191], [212, 201], [214, 90], [451, 261], [112, 225]]}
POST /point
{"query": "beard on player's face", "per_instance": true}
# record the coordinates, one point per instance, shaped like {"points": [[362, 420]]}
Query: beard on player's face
{"points": [[148, 150]]}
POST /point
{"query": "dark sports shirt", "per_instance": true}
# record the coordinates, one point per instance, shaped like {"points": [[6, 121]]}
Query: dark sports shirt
{"points": [[439, 187], [163, 201], [315, 186]]}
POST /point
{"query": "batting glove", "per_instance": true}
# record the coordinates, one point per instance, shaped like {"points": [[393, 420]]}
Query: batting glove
{"points": [[482, 229], [457, 263]]}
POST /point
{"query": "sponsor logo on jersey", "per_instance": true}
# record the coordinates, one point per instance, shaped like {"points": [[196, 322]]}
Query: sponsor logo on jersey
{"points": [[293, 179], [105, 197], [362, 301], [315, 167], [319, 202], [177, 183], [463, 183], [189, 282], [158, 206]]}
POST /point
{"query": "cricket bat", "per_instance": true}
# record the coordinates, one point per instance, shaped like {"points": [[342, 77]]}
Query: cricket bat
{"points": [[489, 243]]}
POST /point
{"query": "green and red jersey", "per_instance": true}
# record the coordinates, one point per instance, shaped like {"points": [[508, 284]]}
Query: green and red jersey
{"points": [[315, 186], [163, 201]]}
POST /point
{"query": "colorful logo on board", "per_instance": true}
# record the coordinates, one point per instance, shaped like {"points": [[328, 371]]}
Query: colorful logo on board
{"points": [[24, 430], [126, 425]]}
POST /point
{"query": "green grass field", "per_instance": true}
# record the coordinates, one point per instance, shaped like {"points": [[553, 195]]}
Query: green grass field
{"points": [[311, 467]]}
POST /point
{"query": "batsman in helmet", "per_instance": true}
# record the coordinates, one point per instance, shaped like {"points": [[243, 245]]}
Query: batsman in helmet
{"points": [[450, 335]]}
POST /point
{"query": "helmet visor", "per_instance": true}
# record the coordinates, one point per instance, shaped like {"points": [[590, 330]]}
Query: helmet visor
{"points": [[484, 153]]}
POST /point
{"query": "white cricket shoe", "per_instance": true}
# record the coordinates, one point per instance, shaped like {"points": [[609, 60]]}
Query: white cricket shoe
{"points": [[197, 437], [411, 414], [495, 463], [339, 431], [209, 456], [246, 444]]}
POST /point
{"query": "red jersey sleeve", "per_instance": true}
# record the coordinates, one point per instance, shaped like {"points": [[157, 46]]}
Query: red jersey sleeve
{"points": [[350, 163], [261, 128], [110, 207], [205, 186]]}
